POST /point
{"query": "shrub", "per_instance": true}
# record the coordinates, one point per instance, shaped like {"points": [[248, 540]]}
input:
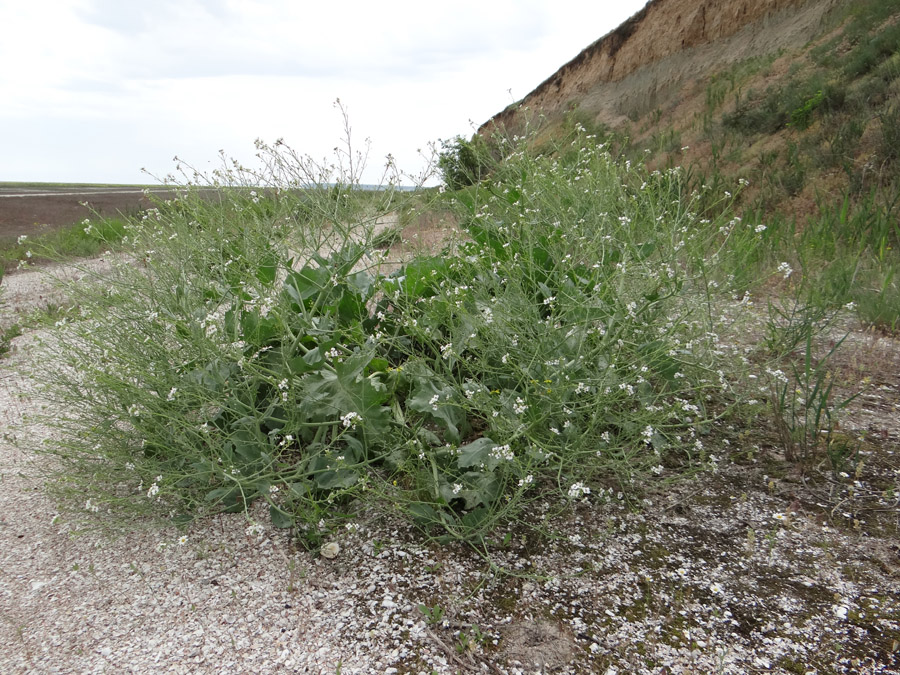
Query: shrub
{"points": [[262, 351], [463, 163]]}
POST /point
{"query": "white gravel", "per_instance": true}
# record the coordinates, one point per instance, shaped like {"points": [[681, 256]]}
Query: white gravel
{"points": [[735, 573]]}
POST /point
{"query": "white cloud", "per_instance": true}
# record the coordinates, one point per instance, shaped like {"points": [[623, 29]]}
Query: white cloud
{"points": [[103, 87]]}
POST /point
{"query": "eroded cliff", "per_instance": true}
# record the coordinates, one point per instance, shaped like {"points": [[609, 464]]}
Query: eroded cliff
{"points": [[642, 65]]}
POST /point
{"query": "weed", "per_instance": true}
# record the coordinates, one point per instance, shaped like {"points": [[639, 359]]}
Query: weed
{"points": [[803, 400], [7, 335], [433, 615], [889, 127], [801, 117], [269, 358], [464, 162]]}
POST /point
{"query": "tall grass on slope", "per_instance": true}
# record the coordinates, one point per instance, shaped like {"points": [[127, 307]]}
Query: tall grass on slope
{"points": [[257, 349]]}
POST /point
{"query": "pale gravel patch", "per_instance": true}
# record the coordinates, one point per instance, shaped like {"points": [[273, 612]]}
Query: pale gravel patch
{"points": [[680, 585], [141, 602], [35, 288]]}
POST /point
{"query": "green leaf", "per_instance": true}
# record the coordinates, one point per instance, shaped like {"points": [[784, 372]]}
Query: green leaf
{"points": [[267, 270], [258, 330], [231, 499], [306, 283], [336, 479], [420, 276], [441, 410], [279, 518], [332, 393], [477, 453], [477, 488], [425, 514]]}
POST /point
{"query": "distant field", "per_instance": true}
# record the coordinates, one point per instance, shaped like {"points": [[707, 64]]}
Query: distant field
{"points": [[31, 208]]}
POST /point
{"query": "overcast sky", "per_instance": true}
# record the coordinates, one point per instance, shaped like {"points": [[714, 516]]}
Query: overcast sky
{"points": [[96, 90]]}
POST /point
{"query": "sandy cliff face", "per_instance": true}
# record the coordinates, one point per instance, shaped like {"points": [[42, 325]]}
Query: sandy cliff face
{"points": [[642, 64]]}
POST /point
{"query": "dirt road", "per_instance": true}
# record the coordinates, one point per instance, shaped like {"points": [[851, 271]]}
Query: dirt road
{"points": [[30, 210]]}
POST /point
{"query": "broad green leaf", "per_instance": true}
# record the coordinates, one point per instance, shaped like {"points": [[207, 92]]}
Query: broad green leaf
{"points": [[477, 453], [267, 270], [336, 478], [280, 519], [437, 402]]}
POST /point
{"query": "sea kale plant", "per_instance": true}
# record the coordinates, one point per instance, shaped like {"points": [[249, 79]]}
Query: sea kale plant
{"points": [[255, 344]]}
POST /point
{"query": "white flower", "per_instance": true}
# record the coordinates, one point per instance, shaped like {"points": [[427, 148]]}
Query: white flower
{"points": [[578, 490], [90, 506], [779, 516], [759, 229], [255, 530], [785, 269], [528, 480], [153, 491], [330, 550], [21, 239], [519, 407], [351, 419], [658, 469], [502, 452], [715, 588], [172, 392], [182, 540]]}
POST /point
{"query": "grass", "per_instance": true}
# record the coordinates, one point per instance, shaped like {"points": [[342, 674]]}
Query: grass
{"points": [[83, 240]]}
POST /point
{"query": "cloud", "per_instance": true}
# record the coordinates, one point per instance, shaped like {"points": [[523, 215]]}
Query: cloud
{"points": [[350, 40], [102, 87]]}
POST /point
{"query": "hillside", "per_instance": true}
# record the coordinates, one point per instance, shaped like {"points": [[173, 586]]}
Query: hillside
{"points": [[800, 97]]}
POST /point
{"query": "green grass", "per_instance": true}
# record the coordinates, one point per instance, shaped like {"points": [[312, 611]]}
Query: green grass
{"points": [[7, 336], [63, 243]]}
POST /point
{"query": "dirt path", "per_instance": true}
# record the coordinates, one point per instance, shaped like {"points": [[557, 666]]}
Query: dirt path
{"points": [[751, 568]]}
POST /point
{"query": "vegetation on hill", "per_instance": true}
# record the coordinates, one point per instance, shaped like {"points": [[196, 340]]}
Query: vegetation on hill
{"points": [[579, 337]]}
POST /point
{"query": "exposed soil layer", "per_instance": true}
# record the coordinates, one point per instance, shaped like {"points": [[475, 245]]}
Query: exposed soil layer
{"points": [[650, 59], [33, 210]]}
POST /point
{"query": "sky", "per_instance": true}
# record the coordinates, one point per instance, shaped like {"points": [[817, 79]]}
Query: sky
{"points": [[104, 90]]}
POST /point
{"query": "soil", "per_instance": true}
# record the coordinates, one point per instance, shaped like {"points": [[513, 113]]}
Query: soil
{"points": [[752, 565], [36, 209], [649, 60]]}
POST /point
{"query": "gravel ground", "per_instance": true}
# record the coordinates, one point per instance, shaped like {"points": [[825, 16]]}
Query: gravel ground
{"points": [[751, 568]]}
